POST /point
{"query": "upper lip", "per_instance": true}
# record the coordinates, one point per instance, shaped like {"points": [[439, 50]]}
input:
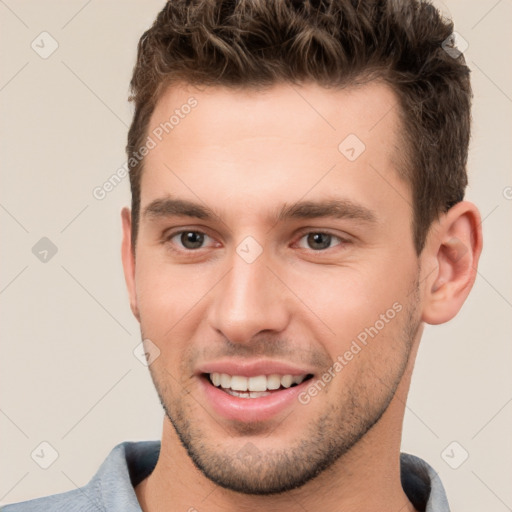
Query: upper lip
{"points": [[252, 368]]}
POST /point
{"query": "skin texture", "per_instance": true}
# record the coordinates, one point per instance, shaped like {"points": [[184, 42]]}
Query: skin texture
{"points": [[245, 155]]}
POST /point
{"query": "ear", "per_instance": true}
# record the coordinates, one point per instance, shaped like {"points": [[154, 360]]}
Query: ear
{"points": [[450, 260], [128, 257]]}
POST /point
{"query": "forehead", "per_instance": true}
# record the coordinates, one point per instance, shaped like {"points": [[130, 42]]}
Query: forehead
{"points": [[240, 145], [298, 114]]}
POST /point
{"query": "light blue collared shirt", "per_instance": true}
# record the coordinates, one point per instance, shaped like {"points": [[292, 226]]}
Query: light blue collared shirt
{"points": [[112, 487]]}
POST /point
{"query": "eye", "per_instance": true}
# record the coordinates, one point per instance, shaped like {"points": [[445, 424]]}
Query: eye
{"points": [[188, 239], [318, 240]]}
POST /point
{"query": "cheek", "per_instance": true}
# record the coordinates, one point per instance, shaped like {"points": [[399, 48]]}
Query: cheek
{"points": [[165, 294], [349, 297], [169, 307], [366, 312]]}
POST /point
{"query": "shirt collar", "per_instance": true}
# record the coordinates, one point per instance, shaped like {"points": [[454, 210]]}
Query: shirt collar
{"points": [[131, 462]]}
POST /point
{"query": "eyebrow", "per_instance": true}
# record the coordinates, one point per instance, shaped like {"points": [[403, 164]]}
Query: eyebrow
{"points": [[334, 208]]}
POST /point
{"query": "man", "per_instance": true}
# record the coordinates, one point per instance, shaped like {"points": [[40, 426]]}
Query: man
{"points": [[297, 174]]}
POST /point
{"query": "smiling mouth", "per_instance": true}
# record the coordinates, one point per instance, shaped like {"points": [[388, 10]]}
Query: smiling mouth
{"points": [[254, 387]]}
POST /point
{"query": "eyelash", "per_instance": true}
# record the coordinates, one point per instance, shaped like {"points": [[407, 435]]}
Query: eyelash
{"points": [[170, 236]]}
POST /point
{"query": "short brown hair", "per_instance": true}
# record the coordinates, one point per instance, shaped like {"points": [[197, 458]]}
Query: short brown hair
{"points": [[258, 43]]}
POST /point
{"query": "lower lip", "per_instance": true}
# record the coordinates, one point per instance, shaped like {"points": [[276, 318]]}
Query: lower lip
{"points": [[250, 409]]}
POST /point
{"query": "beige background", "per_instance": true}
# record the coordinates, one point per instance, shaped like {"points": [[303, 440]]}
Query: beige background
{"points": [[68, 373]]}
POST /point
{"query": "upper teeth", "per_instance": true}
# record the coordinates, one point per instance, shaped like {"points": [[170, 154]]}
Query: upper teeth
{"points": [[259, 383]]}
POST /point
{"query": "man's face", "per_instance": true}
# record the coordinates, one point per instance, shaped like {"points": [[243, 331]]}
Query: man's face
{"points": [[248, 292]]}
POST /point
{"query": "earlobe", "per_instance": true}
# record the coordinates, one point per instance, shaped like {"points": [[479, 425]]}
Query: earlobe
{"points": [[128, 257], [453, 249]]}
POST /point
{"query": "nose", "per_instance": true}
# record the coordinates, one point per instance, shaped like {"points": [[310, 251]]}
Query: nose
{"points": [[248, 300]]}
